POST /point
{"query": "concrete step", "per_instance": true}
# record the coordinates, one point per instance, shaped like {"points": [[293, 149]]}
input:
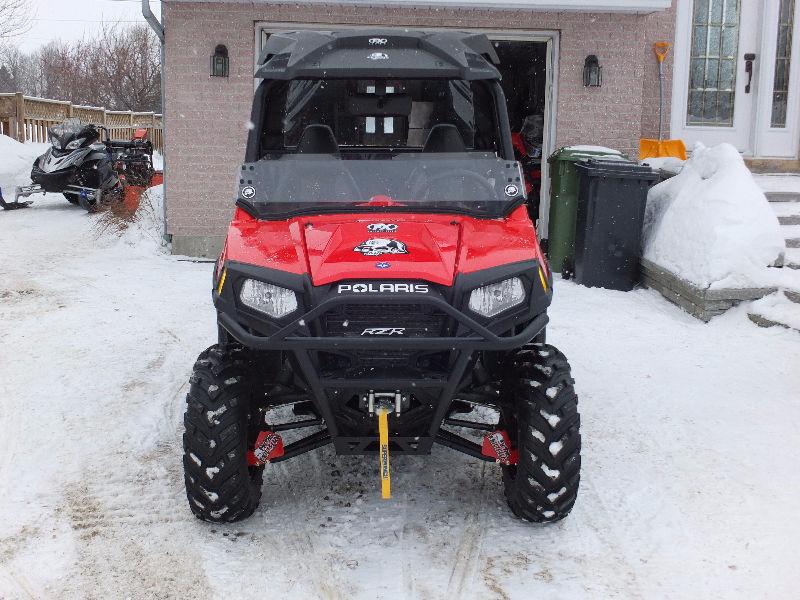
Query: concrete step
{"points": [[791, 234], [791, 258], [785, 209], [783, 196], [763, 321], [775, 310], [788, 213]]}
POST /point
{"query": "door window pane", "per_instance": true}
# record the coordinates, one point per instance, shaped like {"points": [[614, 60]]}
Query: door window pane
{"points": [[715, 46], [783, 57]]}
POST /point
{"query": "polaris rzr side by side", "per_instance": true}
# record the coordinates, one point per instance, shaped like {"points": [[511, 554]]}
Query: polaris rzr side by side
{"points": [[381, 288]]}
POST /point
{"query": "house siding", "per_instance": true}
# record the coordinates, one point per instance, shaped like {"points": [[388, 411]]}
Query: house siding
{"points": [[206, 117]]}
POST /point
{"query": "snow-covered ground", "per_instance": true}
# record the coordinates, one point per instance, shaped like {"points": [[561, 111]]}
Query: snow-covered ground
{"points": [[690, 483]]}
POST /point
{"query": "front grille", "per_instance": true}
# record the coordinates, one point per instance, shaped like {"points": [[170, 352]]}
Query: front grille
{"points": [[415, 321], [52, 182]]}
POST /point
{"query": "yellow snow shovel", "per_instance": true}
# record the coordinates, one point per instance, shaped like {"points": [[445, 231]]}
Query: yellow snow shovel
{"points": [[649, 148]]}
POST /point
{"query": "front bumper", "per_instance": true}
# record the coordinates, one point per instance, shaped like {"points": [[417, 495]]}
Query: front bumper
{"points": [[432, 364], [290, 337], [55, 181], [304, 329]]}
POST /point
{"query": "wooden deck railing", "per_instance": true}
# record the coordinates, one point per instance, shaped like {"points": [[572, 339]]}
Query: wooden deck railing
{"points": [[26, 119]]}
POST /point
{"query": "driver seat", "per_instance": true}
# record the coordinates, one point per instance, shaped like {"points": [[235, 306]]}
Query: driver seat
{"points": [[444, 137], [318, 139]]}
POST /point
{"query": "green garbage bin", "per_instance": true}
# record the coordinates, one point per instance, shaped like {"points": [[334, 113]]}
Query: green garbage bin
{"points": [[564, 184]]}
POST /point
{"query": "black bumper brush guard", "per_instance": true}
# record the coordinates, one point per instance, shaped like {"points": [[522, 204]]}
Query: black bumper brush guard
{"points": [[427, 392]]}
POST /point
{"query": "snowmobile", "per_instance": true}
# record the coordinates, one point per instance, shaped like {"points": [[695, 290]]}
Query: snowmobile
{"points": [[381, 288], [77, 165]]}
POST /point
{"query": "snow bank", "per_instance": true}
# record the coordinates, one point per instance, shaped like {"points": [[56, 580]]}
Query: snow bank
{"points": [[711, 224], [16, 161]]}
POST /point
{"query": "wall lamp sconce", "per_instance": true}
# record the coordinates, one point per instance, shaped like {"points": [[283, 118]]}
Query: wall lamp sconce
{"points": [[220, 62], [592, 72]]}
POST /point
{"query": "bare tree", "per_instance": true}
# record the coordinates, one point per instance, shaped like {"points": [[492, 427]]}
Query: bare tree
{"points": [[21, 70], [15, 18], [119, 69], [128, 59]]}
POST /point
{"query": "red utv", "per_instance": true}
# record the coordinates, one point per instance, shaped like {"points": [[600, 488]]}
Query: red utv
{"points": [[381, 288]]}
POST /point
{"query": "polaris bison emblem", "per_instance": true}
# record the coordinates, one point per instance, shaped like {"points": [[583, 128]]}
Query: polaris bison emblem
{"points": [[378, 246]]}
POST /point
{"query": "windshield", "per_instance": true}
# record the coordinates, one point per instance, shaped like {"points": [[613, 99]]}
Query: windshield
{"points": [[70, 129], [375, 113], [361, 144], [479, 184]]}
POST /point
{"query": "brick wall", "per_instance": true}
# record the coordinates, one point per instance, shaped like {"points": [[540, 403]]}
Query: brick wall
{"points": [[206, 117], [657, 27]]}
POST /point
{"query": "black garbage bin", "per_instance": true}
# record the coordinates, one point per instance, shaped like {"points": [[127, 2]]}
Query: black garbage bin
{"points": [[611, 201]]}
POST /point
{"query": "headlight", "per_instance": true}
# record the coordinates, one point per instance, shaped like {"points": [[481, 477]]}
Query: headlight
{"points": [[493, 299], [75, 144], [55, 142], [269, 299]]}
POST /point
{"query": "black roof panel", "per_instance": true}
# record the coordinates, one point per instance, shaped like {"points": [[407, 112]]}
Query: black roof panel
{"points": [[385, 54]]}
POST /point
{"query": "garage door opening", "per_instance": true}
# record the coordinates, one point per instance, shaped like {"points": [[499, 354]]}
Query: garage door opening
{"points": [[523, 65]]}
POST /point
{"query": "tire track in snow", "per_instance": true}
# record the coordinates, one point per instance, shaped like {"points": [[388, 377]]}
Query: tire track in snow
{"points": [[12, 582], [465, 566], [608, 538], [299, 538], [108, 511]]}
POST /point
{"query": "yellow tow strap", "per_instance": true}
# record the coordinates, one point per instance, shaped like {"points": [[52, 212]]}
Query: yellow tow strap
{"points": [[222, 280], [383, 439], [542, 279]]}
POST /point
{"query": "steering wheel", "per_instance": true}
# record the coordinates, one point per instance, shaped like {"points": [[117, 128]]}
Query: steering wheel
{"points": [[331, 181], [421, 190]]}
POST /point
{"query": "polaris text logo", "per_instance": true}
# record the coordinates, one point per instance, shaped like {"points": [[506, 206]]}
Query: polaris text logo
{"points": [[384, 331], [384, 288]]}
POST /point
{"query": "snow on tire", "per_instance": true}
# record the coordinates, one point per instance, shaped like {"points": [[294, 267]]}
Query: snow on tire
{"points": [[542, 419], [220, 486]]}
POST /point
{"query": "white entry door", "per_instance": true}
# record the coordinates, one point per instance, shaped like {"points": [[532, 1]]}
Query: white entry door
{"points": [[715, 57], [734, 75], [778, 110]]}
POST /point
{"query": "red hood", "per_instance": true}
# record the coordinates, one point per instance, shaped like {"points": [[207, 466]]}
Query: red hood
{"points": [[382, 246]]}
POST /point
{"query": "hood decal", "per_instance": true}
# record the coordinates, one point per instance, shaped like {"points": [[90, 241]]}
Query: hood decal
{"points": [[378, 246]]}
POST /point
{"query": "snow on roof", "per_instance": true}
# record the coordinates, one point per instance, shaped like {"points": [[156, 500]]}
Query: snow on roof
{"points": [[628, 6], [588, 148]]}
